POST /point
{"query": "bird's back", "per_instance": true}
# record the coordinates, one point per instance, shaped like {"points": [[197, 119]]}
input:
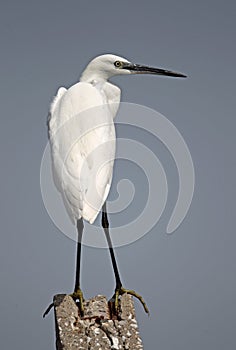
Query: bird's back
{"points": [[82, 138]]}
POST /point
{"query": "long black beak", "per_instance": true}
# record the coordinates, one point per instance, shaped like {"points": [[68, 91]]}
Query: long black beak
{"points": [[140, 69]]}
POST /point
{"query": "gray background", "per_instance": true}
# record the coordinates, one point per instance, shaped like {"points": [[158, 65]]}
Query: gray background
{"points": [[188, 278]]}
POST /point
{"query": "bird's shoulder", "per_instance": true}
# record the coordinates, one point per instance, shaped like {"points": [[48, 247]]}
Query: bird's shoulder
{"points": [[95, 92], [83, 95], [112, 92]]}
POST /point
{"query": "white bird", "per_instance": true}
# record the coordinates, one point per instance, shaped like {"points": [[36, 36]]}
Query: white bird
{"points": [[82, 138]]}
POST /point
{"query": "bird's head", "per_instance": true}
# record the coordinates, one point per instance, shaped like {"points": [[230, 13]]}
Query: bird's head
{"points": [[106, 66]]}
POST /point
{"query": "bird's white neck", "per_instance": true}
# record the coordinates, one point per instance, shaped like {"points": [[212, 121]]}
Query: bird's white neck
{"points": [[90, 76]]}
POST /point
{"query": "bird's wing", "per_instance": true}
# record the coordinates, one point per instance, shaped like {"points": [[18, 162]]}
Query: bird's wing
{"points": [[82, 139], [51, 121]]}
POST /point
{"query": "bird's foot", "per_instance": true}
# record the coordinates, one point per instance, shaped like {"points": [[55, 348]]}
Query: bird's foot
{"points": [[78, 295], [120, 291]]}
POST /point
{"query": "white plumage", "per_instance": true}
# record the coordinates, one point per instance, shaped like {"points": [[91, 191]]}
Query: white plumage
{"points": [[82, 134]]}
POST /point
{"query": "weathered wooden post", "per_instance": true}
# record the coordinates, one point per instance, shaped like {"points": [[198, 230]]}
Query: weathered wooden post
{"points": [[100, 328]]}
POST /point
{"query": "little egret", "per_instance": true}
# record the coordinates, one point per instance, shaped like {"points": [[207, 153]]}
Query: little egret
{"points": [[82, 139]]}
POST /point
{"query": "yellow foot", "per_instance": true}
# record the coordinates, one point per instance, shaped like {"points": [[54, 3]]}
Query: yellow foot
{"points": [[78, 295], [121, 290]]}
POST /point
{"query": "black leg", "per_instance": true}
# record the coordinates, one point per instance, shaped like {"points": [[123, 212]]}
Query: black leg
{"points": [[119, 288], [78, 295], [105, 225], [80, 227]]}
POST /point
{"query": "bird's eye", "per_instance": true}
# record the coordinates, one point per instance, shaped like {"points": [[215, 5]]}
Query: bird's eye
{"points": [[117, 64]]}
